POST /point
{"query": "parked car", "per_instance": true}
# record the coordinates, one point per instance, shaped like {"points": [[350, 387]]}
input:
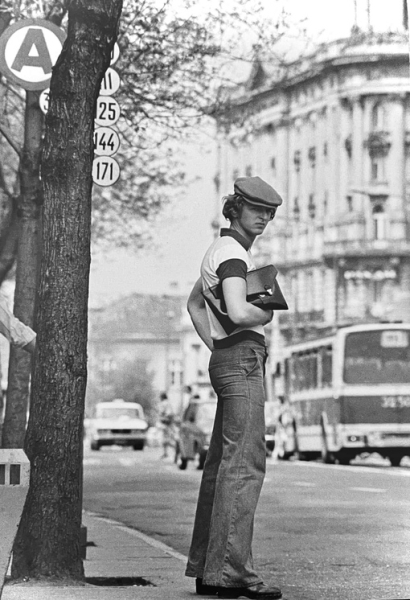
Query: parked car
{"points": [[118, 422], [195, 431]]}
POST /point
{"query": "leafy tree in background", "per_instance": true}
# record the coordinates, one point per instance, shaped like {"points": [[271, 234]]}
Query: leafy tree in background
{"points": [[131, 380]]}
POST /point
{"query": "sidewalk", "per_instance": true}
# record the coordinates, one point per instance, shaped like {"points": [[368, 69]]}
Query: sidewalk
{"points": [[117, 552]]}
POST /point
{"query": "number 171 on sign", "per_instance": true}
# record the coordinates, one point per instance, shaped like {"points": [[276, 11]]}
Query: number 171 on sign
{"points": [[106, 170]]}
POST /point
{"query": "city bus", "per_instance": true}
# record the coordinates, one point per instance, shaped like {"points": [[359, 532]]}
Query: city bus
{"points": [[348, 393]]}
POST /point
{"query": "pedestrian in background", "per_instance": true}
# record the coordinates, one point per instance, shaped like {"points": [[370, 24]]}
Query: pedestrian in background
{"points": [[18, 334], [167, 418], [220, 557]]}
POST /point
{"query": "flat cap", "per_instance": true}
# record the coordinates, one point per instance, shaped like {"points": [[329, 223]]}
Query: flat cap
{"points": [[256, 191]]}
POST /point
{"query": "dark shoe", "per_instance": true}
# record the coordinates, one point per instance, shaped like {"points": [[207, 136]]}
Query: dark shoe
{"points": [[259, 590], [205, 590]]}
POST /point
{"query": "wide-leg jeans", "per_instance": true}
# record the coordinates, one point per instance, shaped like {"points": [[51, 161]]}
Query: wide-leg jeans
{"points": [[221, 548]]}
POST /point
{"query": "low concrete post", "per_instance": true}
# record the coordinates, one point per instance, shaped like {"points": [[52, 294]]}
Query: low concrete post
{"points": [[14, 482]]}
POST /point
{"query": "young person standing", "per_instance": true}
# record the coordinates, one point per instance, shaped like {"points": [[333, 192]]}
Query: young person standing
{"points": [[220, 556]]}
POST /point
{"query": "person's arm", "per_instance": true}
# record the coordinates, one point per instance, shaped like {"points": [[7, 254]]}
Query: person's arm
{"points": [[197, 311], [241, 312], [18, 334], [31, 346]]}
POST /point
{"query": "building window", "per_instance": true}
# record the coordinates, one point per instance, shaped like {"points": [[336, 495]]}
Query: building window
{"points": [[377, 117], [273, 163], [349, 200], [297, 160], [377, 168], [312, 156], [296, 209], [312, 206], [379, 223], [248, 171]]}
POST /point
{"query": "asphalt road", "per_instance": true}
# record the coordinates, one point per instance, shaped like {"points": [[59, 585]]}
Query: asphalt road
{"points": [[322, 531]]}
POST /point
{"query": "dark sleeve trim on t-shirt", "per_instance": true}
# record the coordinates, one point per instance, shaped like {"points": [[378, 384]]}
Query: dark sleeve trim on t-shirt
{"points": [[233, 267]]}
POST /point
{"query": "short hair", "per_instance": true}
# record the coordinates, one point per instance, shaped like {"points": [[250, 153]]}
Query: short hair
{"points": [[232, 207]]}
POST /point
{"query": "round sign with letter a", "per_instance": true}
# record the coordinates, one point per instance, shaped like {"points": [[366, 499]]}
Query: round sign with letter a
{"points": [[28, 51]]}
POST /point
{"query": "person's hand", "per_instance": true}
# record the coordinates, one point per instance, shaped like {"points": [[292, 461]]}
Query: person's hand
{"points": [[31, 346]]}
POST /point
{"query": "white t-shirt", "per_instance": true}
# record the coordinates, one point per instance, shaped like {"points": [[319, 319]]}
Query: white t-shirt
{"points": [[231, 245]]}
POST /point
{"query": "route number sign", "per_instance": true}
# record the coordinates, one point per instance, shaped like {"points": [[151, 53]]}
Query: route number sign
{"points": [[43, 100], [115, 54], [108, 111], [28, 51], [110, 83], [106, 141], [106, 171]]}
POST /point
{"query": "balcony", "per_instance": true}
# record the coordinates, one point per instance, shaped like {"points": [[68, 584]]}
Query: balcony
{"points": [[301, 319], [358, 248]]}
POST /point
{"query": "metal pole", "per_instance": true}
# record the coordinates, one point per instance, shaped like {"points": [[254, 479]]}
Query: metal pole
{"points": [[407, 9]]}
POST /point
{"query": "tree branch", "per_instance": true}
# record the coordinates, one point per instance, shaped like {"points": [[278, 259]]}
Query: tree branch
{"points": [[6, 133]]}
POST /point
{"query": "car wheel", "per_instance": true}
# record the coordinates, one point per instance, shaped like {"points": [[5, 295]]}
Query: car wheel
{"points": [[183, 464], [395, 459], [139, 446], [344, 457], [95, 446]]}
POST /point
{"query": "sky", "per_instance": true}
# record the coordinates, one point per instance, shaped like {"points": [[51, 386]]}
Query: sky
{"points": [[183, 232]]}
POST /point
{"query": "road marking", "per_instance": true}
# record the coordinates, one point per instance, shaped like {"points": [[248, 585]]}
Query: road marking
{"points": [[367, 489], [304, 484], [126, 462], [353, 468]]}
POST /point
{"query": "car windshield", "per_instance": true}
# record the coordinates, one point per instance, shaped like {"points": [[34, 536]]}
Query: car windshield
{"points": [[118, 412], [374, 357], [205, 416]]}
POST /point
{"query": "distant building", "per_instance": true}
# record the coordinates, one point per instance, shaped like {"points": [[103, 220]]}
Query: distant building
{"points": [[332, 134], [139, 327], [154, 329]]}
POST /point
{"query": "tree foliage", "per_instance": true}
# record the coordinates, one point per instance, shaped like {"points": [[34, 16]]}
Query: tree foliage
{"points": [[176, 58], [131, 380], [174, 66]]}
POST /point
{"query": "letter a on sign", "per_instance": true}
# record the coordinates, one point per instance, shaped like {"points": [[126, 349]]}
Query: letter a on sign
{"points": [[34, 40], [28, 51]]}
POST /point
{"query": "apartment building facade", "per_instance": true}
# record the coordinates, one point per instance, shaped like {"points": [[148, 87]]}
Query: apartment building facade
{"points": [[332, 134]]}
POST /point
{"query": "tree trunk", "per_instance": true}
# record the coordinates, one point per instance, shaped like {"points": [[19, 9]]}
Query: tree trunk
{"points": [[48, 540], [29, 213]]}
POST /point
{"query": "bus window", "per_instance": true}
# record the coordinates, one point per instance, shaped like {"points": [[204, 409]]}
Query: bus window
{"points": [[374, 357], [305, 371], [326, 355]]}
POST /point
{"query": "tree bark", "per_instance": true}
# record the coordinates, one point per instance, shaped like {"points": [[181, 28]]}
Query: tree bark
{"points": [[48, 540]]}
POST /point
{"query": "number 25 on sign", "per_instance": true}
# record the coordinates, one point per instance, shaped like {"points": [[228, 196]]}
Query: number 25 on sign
{"points": [[106, 170]]}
